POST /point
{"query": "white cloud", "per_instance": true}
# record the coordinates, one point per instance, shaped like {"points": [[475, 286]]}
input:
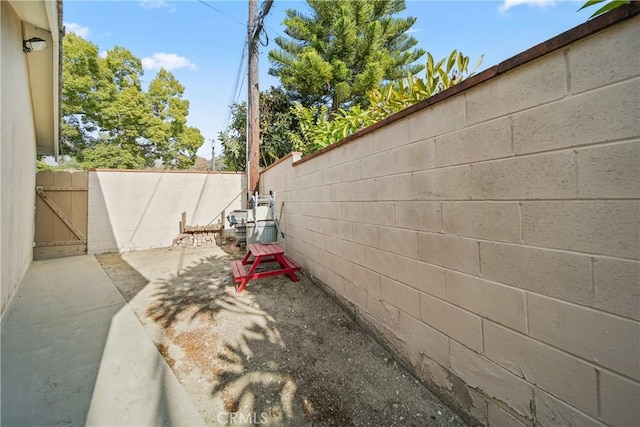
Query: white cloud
{"points": [[102, 54], [79, 30], [153, 4], [157, 4], [168, 61], [508, 4]]}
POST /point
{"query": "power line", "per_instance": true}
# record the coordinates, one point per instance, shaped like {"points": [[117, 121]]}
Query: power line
{"points": [[242, 66], [239, 73], [222, 13], [235, 94], [242, 82]]}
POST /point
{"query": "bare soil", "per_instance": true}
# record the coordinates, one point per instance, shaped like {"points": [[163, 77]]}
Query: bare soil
{"points": [[279, 353]]}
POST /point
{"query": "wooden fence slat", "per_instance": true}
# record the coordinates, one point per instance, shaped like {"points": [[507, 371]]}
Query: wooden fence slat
{"points": [[60, 243], [63, 216], [62, 188]]}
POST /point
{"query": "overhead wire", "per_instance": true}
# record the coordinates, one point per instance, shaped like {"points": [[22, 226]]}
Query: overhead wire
{"points": [[242, 66], [238, 84], [222, 13]]}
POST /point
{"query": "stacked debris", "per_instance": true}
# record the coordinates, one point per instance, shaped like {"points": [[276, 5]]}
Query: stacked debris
{"points": [[196, 239], [197, 235]]}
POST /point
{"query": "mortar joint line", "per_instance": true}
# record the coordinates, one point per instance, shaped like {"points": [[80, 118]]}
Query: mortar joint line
{"points": [[598, 393], [521, 222], [482, 335], [513, 143], [567, 72], [575, 160], [526, 312], [593, 276], [479, 260]]}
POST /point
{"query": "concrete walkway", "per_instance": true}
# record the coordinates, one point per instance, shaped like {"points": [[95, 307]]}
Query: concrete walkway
{"points": [[73, 353]]}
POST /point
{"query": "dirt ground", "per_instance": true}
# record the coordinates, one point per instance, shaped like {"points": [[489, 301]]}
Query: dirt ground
{"points": [[279, 353]]}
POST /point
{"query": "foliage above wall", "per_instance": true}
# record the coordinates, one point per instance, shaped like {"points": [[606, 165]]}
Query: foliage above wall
{"points": [[317, 129], [277, 123], [110, 121], [290, 126]]}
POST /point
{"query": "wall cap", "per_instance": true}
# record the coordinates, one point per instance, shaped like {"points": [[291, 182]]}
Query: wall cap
{"points": [[584, 30]]}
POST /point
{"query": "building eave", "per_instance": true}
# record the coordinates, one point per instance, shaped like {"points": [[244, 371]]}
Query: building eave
{"points": [[42, 19]]}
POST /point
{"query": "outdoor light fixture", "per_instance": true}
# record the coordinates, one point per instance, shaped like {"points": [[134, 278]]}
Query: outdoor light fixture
{"points": [[34, 43]]}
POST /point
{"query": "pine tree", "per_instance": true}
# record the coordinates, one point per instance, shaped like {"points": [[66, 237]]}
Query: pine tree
{"points": [[344, 48]]}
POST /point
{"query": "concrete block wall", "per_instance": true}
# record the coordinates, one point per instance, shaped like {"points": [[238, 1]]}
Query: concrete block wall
{"points": [[130, 210], [491, 239]]}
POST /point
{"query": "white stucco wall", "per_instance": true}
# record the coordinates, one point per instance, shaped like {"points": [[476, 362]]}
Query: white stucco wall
{"points": [[17, 157], [131, 210]]}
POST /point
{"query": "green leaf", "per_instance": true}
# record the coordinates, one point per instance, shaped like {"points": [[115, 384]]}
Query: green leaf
{"points": [[590, 3], [477, 64], [609, 6], [452, 60], [445, 78], [429, 63]]}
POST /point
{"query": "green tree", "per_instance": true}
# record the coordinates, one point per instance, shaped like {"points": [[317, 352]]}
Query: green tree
{"points": [[83, 85], [108, 155], [64, 163], [103, 103], [343, 49], [168, 136], [42, 166], [277, 123], [234, 139]]}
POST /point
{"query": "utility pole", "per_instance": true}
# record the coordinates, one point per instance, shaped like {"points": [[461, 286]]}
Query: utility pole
{"points": [[253, 109], [213, 155]]}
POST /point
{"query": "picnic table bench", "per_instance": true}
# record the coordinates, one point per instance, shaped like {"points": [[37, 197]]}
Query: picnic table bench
{"points": [[258, 253]]}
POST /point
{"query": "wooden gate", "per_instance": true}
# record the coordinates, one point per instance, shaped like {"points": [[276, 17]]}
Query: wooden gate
{"points": [[61, 214]]}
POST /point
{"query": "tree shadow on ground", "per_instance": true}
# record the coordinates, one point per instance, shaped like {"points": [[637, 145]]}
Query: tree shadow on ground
{"points": [[220, 335], [280, 352], [193, 290]]}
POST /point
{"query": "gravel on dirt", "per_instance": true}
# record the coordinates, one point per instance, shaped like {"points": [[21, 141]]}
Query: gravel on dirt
{"points": [[279, 353]]}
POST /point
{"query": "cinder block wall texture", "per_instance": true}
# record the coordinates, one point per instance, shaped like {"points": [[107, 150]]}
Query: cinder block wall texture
{"points": [[130, 210], [490, 237]]}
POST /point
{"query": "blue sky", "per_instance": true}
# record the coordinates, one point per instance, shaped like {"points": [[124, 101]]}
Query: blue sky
{"points": [[202, 42]]}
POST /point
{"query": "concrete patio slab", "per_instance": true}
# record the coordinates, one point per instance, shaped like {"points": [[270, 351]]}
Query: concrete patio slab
{"points": [[73, 353]]}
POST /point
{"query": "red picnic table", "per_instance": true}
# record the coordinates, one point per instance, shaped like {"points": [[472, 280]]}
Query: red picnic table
{"points": [[263, 253]]}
